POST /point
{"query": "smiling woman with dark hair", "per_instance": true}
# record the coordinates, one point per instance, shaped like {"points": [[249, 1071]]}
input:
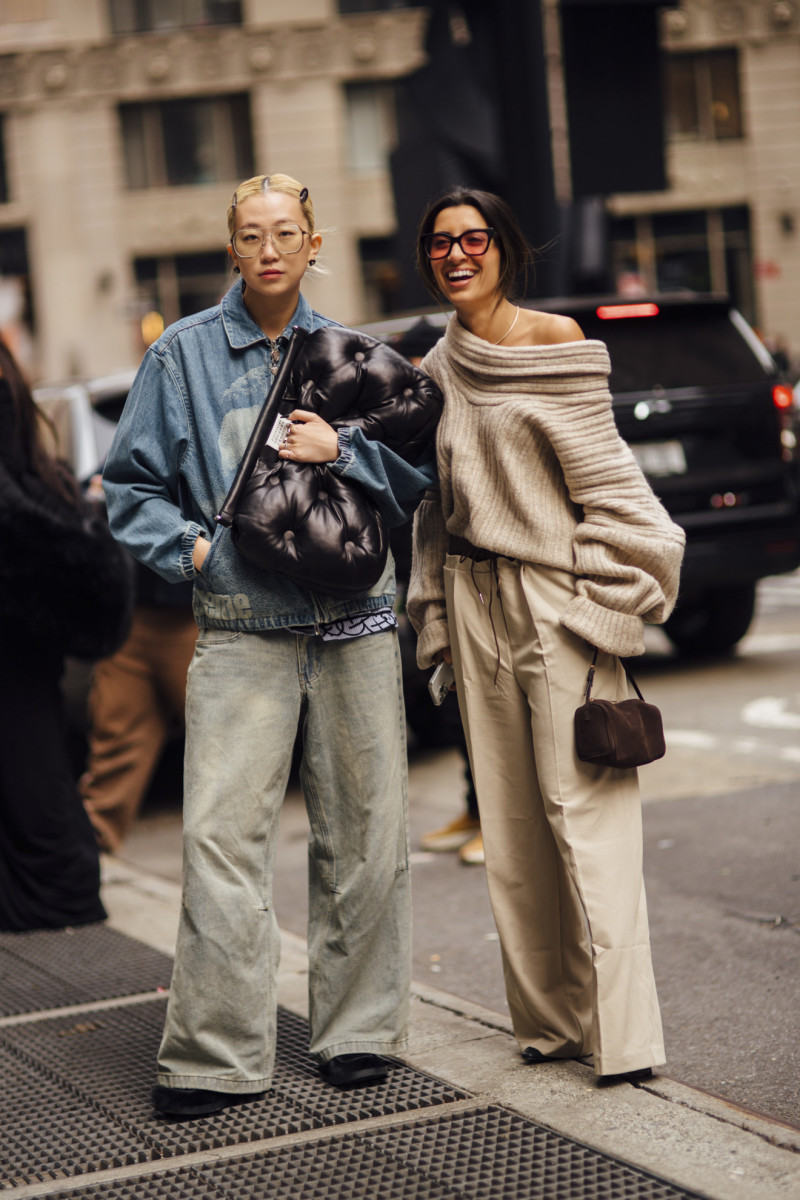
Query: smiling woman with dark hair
{"points": [[543, 541]]}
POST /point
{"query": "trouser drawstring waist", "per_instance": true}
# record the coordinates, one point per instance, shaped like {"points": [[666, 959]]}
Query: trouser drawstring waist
{"points": [[465, 550]]}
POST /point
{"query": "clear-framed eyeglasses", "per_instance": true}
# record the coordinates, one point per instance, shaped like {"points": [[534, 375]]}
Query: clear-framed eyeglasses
{"points": [[287, 239], [473, 242]]}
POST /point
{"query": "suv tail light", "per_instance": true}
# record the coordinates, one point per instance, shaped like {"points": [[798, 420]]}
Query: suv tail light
{"points": [[611, 312], [783, 399]]}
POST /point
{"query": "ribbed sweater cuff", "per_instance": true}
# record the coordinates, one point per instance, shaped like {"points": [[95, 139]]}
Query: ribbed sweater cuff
{"points": [[613, 632], [434, 637]]}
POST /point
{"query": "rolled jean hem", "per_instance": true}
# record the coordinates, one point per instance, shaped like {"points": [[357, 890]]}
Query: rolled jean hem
{"points": [[234, 1087], [362, 1048]]}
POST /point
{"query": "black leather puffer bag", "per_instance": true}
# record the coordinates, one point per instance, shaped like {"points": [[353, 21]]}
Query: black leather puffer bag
{"points": [[320, 529]]}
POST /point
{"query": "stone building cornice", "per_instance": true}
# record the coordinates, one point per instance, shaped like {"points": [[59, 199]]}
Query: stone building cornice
{"points": [[703, 24], [218, 59]]}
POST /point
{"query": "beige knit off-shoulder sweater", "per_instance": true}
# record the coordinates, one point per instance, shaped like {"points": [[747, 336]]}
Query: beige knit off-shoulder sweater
{"points": [[531, 466]]}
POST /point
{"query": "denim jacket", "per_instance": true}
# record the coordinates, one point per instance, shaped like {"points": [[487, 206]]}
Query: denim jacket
{"points": [[183, 431]]}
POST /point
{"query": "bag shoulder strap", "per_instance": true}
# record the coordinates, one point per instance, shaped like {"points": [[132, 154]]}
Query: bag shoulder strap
{"points": [[266, 417], [590, 679]]}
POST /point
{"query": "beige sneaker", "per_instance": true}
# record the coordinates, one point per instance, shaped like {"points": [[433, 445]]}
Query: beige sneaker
{"points": [[451, 836], [471, 852]]}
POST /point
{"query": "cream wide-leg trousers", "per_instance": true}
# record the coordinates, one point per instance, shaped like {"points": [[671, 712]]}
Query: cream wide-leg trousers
{"points": [[563, 839]]}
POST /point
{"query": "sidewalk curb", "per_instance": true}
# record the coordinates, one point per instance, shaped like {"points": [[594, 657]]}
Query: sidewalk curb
{"points": [[682, 1134]]}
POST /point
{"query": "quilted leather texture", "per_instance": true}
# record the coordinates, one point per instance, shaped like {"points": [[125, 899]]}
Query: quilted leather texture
{"points": [[350, 378], [302, 519]]}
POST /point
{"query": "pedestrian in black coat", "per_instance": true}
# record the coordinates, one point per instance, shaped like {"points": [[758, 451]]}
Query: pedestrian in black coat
{"points": [[64, 590]]}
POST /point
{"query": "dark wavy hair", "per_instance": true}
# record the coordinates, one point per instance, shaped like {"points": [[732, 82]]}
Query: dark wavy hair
{"points": [[516, 255], [29, 422]]}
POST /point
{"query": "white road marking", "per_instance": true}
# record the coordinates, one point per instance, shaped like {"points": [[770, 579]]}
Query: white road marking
{"points": [[770, 712], [691, 739], [768, 643]]}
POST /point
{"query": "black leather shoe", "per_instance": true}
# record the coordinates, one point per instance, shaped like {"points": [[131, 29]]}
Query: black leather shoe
{"points": [[532, 1055], [640, 1076], [355, 1070], [195, 1102]]}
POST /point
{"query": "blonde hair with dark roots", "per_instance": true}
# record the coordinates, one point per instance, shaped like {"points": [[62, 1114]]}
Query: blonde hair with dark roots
{"points": [[260, 184]]}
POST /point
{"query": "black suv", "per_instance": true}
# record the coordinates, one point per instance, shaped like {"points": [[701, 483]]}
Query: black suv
{"points": [[703, 407], [713, 426]]}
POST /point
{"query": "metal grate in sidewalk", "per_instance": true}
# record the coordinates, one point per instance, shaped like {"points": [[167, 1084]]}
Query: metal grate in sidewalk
{"points": [[82, 1096], [59, 967], [77, 1102], [490, 1154]]}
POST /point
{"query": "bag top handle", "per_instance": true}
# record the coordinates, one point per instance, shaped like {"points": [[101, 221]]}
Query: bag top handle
{"points": [[590, 679]]}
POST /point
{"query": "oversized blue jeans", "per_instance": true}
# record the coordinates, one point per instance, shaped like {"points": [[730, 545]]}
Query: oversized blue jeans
{"points": [[246, 694]]}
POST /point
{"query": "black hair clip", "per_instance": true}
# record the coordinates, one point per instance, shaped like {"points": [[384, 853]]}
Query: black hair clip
{"points": [[235, 200], [265, 184], [304, 195]]}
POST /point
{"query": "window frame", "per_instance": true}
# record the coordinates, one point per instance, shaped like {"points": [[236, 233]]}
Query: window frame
{"points": [[144, 138], [706, 94]]}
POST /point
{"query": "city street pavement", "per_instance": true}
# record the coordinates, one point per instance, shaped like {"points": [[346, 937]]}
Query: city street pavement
{"points": [[700, 1144], [464, 1118], [723, 888], [680, 1133]]}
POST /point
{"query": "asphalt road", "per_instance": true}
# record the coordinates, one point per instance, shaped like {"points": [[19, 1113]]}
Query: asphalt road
{"points": [[722, 832]]}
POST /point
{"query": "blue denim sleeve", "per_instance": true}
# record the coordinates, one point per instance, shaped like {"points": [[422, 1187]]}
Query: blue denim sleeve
{"points": [[394, 484], [141, 478]]}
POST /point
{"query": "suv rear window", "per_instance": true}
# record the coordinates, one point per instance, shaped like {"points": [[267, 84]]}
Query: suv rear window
{"points": [[666, 351]]}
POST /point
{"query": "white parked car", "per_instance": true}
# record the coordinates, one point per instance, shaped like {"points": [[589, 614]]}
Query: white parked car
{"points": [[85, 413]]}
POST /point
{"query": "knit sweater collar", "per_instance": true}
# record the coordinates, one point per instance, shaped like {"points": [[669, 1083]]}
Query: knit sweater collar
{"points": [[564, 367]]}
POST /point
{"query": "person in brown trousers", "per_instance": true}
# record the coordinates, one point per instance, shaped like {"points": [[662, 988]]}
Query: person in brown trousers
{"points": [[136, 703]]}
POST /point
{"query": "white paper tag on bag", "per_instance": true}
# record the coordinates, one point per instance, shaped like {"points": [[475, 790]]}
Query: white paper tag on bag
{"points": [[279, 432]]}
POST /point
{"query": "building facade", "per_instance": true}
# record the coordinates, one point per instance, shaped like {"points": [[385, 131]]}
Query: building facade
{"points": [[125, 125], [730, 219]]}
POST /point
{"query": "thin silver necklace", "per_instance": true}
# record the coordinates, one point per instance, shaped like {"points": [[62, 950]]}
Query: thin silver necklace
{"points": [[508, 331]]}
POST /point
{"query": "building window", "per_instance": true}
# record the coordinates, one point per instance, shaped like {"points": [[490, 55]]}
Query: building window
{"points": [[700, 250], [703, 99], [146, 16], [381, 274], [4, 195], [172, 143], [181, 284], [16, 301], [371, 126]]}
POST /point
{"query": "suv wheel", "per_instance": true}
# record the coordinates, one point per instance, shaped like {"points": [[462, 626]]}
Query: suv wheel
{"points": [[714, 622]]}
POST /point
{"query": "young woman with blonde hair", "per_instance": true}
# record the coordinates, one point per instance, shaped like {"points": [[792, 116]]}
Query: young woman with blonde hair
{"points": [[271, 655]]}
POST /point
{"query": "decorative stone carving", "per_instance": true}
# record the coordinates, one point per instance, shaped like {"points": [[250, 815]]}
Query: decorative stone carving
{"points": [[102, 70], [313, 50], [364, 48], [730, 16], [782, 13], [158, 67], [56, 76], [676, 22], [262, 58], [135, 66]]}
